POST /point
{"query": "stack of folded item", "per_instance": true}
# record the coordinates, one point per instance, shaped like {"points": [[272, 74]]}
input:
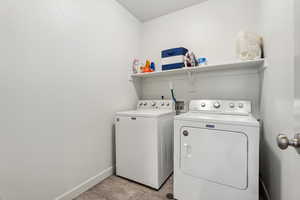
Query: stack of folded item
{"points": [[173, 58]]}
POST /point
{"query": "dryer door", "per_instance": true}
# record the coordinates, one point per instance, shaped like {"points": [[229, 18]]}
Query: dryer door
{"points": [[216, 156]]}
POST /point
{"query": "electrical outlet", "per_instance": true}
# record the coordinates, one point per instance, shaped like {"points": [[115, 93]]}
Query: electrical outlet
{"points": [[180, 107]]}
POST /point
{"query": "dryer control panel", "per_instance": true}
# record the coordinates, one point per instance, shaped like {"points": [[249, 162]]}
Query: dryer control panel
{"points": [[230, 107]]}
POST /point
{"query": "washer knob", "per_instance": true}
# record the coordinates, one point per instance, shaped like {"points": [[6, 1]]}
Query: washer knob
{"points": [[145, 103], [162, 104], [141, 103], [153, 104], [168, 104], [203, 105], [241, 105], [231, 105], [217, 105]]}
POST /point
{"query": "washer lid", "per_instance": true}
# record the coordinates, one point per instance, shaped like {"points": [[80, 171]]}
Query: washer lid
{"points": [[248, 120], [145, 113]]}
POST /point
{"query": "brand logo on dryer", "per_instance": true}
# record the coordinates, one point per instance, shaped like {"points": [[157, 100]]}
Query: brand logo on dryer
{"points": [[210, 126]]}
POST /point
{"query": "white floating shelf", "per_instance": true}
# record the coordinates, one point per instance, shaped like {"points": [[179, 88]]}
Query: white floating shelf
{"points": [[257, 64]]}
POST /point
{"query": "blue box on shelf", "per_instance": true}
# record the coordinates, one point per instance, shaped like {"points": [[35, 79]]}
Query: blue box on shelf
{"points": [[173, 58]]}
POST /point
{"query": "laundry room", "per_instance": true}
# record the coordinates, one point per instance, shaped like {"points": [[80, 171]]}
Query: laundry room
{"points": [[150, 100]]}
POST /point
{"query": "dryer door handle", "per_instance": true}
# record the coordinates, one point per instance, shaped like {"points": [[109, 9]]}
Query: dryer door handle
{"points": [[188, 150]]}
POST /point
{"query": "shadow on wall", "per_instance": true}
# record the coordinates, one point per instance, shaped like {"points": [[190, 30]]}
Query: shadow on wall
{"points": [[138, 86], [270, 167], [238, 84]]}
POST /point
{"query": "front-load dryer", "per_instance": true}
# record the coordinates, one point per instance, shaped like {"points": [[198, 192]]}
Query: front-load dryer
{"points": [[216, 152], [144, 142]]}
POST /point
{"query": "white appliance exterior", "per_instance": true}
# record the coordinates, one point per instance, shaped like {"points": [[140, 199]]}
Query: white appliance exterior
{"points": [[144, 142], [216, 152]]}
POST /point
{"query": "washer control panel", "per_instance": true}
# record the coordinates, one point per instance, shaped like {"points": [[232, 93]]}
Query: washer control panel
{"points": [[221, 106], [156, 104]]}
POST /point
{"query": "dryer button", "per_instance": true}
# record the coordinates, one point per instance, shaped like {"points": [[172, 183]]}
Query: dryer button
{"points": [[185, 133]]}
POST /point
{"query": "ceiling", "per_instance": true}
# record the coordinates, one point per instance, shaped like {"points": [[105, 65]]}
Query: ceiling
{"points": [[146, 10]]}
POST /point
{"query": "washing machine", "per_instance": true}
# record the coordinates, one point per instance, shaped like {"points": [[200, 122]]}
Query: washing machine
{"points": [[216, 152], [144, 142]]}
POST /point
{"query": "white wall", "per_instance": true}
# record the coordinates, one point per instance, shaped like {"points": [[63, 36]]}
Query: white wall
{"points": [[209, 29], [297, 48], [277, 25], [64, 73]]}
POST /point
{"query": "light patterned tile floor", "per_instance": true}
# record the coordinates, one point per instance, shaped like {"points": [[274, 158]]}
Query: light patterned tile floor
{"points": [[116, 188]]}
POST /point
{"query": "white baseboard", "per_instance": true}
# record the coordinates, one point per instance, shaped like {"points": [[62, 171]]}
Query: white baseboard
{"points": [[86, 185]]}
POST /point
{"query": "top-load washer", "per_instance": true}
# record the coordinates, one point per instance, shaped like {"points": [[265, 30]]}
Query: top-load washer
{"points": [[144, 142], [216, 152]]}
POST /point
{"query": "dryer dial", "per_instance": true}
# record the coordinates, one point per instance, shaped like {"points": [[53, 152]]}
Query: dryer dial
{"points": [[217, 105]]}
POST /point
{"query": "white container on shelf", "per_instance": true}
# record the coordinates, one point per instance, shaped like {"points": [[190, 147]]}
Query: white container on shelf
{"points": [[249, 46]]}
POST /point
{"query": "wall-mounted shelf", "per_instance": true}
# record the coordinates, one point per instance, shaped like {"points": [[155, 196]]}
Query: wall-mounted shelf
{"points": [[257, 64]]}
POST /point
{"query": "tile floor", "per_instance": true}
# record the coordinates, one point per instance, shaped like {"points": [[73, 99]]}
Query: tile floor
{"points": [[115, 188]]}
